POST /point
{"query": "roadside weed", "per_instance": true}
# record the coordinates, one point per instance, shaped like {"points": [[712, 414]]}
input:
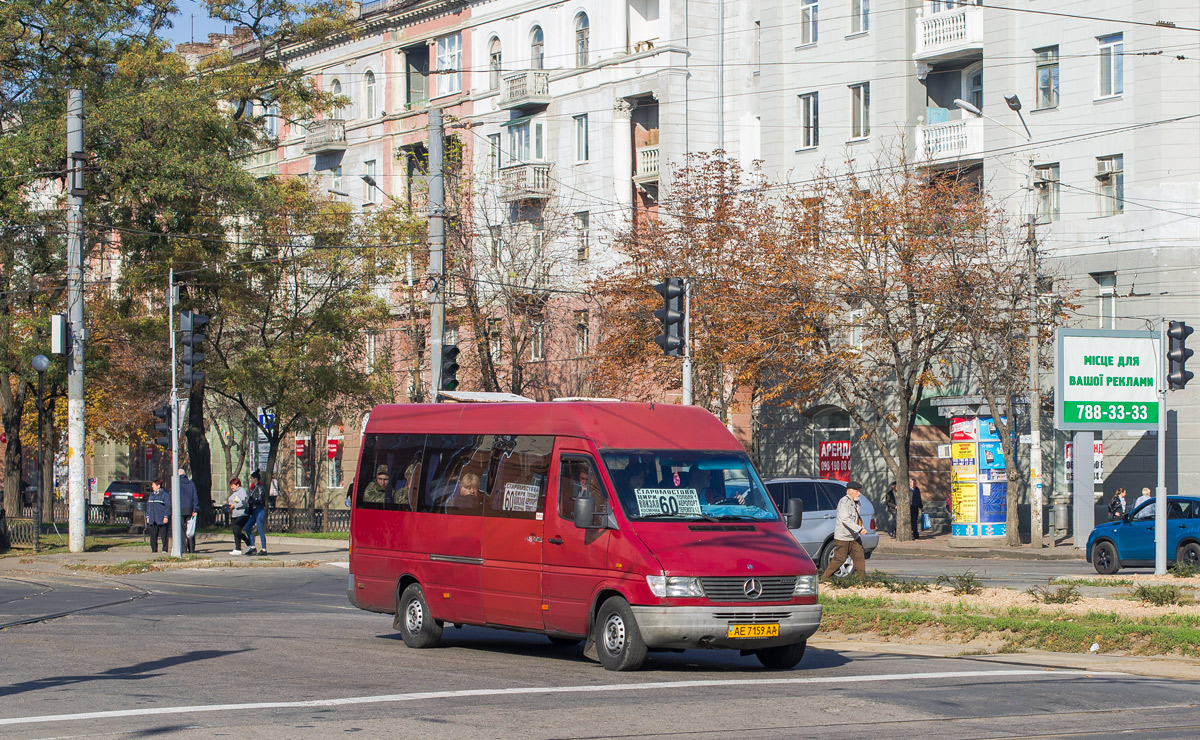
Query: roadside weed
{"points": [[1184, 570], [1068, 594], [964, 584], [1159, 595]]}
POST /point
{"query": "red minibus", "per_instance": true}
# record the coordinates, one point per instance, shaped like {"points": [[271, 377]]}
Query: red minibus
{"points": [[631, 526]]}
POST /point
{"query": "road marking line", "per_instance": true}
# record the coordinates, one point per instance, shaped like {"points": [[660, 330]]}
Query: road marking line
{"points": [[345, 565], [527, 690]]}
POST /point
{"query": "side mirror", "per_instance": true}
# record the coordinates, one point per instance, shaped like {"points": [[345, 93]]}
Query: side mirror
{"points": [[585, 512], [795, 513]]}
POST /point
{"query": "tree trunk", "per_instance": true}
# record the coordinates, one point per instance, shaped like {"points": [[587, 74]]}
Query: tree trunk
{"points": [[10, 410]]}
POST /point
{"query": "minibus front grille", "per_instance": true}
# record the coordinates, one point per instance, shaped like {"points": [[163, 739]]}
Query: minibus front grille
{"points": [[773, 588], [722, 527], [752, 617]]}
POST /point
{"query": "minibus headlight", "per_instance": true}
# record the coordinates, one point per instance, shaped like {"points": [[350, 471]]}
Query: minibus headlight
{"points": [[675, 587], [805, 586]]}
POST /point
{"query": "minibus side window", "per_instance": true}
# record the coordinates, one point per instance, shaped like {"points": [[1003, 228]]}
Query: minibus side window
{"points": [[390, 470], [577, 475], [456, 467], [519, 470]]}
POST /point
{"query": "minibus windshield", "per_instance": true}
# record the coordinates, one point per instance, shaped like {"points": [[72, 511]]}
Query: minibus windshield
{"points": [[687, 484]]}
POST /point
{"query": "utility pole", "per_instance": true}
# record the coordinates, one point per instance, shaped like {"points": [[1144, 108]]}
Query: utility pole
{"points": [[1160, 491], [687, 342], [437, 240], [1035, 396], [76, 489], [176, 525]]}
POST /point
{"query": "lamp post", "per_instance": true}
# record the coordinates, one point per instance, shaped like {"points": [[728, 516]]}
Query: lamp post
{"points": [[1035, 393], [41, 364]]}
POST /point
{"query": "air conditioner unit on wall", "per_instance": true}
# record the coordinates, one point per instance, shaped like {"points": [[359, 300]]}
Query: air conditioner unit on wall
{"points": [[1105, 167]]}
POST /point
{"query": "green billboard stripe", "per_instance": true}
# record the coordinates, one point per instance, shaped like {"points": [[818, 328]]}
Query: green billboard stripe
{"points": [[1110, 412]]}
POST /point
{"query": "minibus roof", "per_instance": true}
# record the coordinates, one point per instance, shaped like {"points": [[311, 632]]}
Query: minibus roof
{"points": [[608, 425]]}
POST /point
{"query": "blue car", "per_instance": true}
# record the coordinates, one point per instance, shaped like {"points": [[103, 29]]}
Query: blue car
{"points": [[1129, 541]]}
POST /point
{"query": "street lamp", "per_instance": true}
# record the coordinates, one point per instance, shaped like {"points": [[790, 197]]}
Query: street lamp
{"points": [[1035, 393], [41, 364]]}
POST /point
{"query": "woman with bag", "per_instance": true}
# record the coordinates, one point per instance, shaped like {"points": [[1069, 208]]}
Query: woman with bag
{"points": [[237, 501], [257, 514]]}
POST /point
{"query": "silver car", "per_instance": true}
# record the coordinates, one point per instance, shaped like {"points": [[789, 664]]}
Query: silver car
{"points": [[820, 498]]}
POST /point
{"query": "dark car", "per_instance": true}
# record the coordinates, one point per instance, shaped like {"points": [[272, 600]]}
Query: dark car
{"points": [[1129, 541], [123, 497]]}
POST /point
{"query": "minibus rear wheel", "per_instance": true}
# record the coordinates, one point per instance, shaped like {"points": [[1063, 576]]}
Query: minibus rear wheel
{"points": [[619, 644], [416, 626], [783, 657]]}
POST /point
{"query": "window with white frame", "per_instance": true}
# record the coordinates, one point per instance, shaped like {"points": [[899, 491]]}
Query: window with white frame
{"points": [[335, 178], [525, 142], [582, 333], [537, 340], [271, 121], [581, 138], [582, 32], [537, 48], [583, 232], [1045, 183], [305, 458], [1106, 299], [1047, 77], [810, 120], [449, 64], [808, 21], [335, 476], [335, 89], [1110, 184], [972, 85], [370, 184], [494, 345], [1112, 65], [370, 109], [860, 110], [494, 64], [860, 16], [493, 152]]}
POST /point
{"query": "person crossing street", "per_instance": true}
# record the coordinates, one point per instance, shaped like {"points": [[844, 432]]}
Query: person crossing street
{"points": [[847, 533]]}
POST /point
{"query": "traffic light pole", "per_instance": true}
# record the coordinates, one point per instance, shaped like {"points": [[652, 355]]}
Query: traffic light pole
{"points": [[437, 240], [687, 342], [176, 526], [76, 489], [1160, 493]]}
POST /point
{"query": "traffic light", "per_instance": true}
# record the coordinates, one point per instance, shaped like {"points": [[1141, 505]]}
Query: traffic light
{"points": [[190, 324], [1177, 355], [163, 427], [671, 316], [449, 367]]}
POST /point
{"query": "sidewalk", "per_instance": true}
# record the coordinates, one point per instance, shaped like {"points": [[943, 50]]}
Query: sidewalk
{"points": [[212, 551], [938, 546]]}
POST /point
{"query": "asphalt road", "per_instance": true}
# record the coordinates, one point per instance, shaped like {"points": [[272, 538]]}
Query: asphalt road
{"points": [[279, 653]]}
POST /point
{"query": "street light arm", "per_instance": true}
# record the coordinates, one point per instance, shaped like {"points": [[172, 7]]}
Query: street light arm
{"points": [[973, 110]]}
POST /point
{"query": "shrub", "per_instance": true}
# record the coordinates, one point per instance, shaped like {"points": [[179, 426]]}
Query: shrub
{"points": [[964, 584], [1159, 595], [1184, 570], [1068, 594]]}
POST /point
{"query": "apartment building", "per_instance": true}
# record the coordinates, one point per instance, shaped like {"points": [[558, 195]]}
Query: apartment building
{"points": [[1083, 116]]}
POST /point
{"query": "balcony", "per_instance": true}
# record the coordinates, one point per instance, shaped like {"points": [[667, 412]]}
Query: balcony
{"points": [[952, 140], [949, 34], [525, 88], [525, 182], [647, 165], [328, 135]]}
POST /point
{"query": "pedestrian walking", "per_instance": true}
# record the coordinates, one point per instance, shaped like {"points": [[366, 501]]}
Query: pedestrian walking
{"points": [[158, 515], [256, 511], [1143, 498], [189, 508], [915, 508], [1117, 507], [847, 533], [237, 501], [889, 500]]}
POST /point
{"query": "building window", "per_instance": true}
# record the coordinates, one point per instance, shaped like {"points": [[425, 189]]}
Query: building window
{"points": [[525, 142], [335, 89], [1045, 183], [860, 16], [271, 121], [1047, 77], [369, 108], [336, 477], [537, 48], [335, 178], [1106, 298], [581, 333], [860, 110], [494, 152], [1110, 184], [495, 240], [305, 458], [583, 232], [810, 121], [582, 31], [494, 61], [972, 89], [449, 64], [369, 181], [416, 76], [581, 138], [1112, 65], [808, 22], [494, 346], [537, 340]]}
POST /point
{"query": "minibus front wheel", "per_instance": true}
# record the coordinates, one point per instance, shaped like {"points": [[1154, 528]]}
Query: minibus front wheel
{"points": [[417, 627], [619, 643], [782, 657]]}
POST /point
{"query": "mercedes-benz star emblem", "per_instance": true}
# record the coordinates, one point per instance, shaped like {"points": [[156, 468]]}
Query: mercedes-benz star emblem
{"points": [[752, 588]]}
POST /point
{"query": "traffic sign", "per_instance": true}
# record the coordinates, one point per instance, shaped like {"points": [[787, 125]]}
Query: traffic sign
{"points": [[1107, 379]]}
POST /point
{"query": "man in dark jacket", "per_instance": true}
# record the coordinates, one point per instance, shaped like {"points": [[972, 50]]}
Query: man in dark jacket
{"points": [[158, 515], [189, 507], [916, 506]]}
